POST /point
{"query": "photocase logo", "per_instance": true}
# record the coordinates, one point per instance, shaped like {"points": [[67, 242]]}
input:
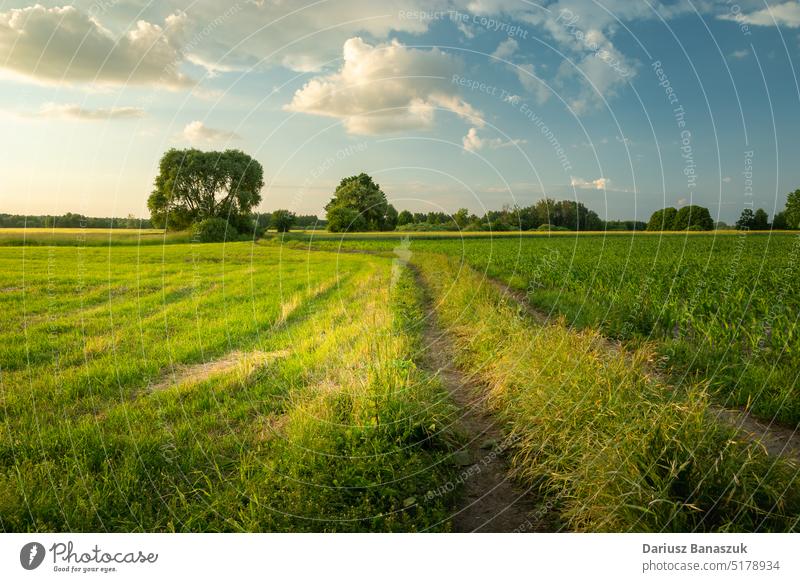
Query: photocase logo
{"points": [[31, 555]]}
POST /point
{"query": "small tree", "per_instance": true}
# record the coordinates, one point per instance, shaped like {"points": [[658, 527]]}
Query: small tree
{"points": [[746, 220], [362, 196], [282, 220], [405, 217], [760, 220], [779, 221], [792, 212], [461, 217]]}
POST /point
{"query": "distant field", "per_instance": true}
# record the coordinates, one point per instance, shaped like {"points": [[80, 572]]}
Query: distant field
{"points": [[324, 235], [288, 385], [86, 236]]}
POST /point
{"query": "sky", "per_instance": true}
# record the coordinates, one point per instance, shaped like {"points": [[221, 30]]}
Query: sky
{"points": [[627, 106]]}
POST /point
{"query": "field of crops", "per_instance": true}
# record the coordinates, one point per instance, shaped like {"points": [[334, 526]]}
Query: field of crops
{"points": [[289, 387]]}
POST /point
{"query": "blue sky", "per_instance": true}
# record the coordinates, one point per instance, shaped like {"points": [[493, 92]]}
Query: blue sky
{"points": [[475, 103]]}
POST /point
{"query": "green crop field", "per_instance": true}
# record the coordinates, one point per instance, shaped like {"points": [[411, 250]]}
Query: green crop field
{"points": [[150, 383]]}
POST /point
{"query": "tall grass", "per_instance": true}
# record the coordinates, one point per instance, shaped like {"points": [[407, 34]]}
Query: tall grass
{"points": [[616, 448]]}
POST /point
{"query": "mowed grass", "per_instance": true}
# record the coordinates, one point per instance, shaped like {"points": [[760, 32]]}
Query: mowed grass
{"points": [[719, 308], [609, 444], [322, 422]]}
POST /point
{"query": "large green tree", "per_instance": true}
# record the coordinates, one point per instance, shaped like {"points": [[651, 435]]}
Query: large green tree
{"points": [[662, 219], [282, 220], [193, 185], [359, 204], [692, 216]]}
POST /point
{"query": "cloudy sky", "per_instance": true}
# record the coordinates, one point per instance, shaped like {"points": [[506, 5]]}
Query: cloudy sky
{"points": [[624, 105]]}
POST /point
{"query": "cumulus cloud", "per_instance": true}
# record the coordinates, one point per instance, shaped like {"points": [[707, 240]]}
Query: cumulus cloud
{"points": [[197, 132], [598, 184], [786, 14], [66, 45], [472, 142], [506, 49], [384, 88], [280, 32], [71, 111]]}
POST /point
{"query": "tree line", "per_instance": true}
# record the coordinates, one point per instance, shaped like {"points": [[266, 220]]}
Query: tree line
{"points": [[693, 217], [70, 220], [214, 195]]}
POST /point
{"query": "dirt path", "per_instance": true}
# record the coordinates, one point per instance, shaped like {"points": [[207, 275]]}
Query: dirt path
{"points": [[775, 438], [492, 502]]}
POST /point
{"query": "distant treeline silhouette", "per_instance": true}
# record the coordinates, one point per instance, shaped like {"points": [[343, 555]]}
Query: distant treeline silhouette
{"points": [[71, 220]]}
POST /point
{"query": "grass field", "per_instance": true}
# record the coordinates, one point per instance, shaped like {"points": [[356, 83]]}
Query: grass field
{"points": [[87, 236], [285, 387], [716, 308]]}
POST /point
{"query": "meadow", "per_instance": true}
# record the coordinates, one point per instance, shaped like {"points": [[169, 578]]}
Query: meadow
{"points": [[718, 308], [286, 384]]}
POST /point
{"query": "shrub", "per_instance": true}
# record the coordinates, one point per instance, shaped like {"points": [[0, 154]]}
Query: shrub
{"points": [[213, 230]]}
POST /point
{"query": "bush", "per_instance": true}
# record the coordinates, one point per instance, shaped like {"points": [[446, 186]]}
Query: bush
{"points": [[213, 230]]}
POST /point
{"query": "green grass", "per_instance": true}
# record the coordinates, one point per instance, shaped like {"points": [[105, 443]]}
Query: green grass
{"points": [[86, 237], [615, 447], [716, 307], [317, 413], [336, 433]]}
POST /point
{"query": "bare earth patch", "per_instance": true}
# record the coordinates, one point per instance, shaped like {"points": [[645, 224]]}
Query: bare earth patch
{"points": [[246, 361], [776, 439]]}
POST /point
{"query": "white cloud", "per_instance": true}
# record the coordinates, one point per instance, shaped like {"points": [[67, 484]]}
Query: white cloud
{"points": [[66, 45], [786, 14], [70, 111], [506, 49], [197, 132], [384, 88], [303, 38], [472, 142], [598, 184]]}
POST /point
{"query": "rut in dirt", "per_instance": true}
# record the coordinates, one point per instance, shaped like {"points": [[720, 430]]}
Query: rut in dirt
{"points": [[776, 439], [491, 501]]}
